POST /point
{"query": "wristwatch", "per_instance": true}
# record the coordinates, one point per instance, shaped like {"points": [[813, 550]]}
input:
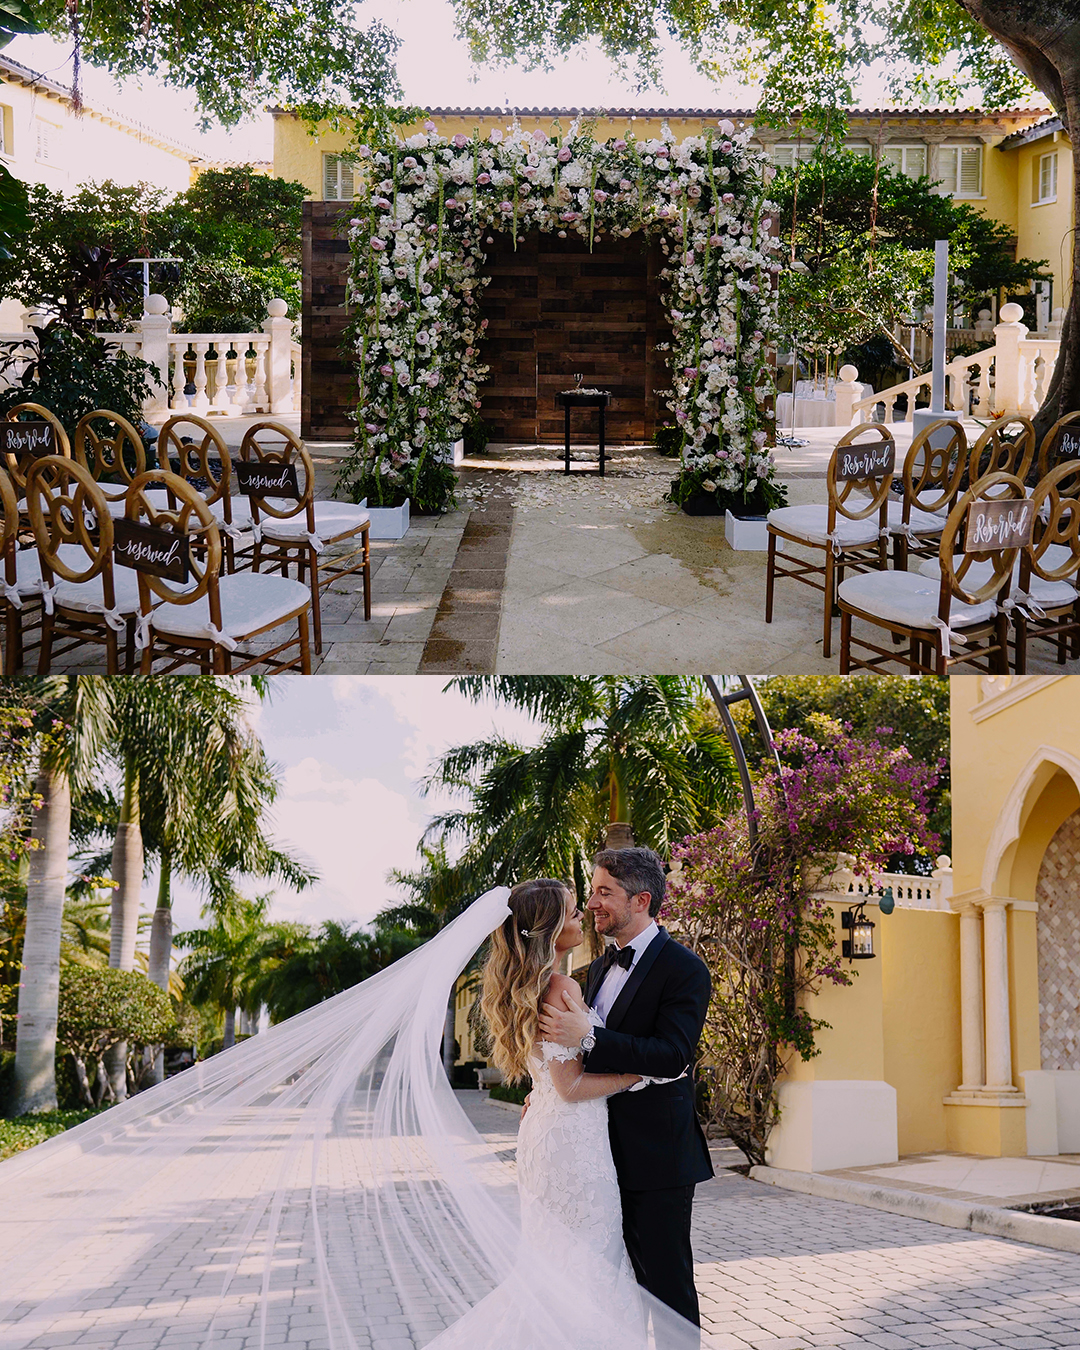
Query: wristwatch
{"points": [[588, 1041]]}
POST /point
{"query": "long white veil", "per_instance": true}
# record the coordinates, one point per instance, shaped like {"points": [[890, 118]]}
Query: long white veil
{"points": [[317, 1186]]}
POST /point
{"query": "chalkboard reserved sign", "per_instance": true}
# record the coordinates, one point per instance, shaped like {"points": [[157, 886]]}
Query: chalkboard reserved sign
{"points": [[1068, 446], [28, 438], [1001, 524], [267, 480], [149, 549], [865, 461]]}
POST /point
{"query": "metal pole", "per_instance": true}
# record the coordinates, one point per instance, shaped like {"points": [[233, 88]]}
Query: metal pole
{"points": [[941, 296]]}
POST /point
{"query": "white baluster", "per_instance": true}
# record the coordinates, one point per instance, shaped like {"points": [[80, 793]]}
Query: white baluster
{"points": [[984, 386], [221, 401], [1041, 367], [259, 397], [179, 401], [200, 403]]}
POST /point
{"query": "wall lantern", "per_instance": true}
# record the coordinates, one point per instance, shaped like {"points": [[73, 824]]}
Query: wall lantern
{"points": [[860, 945]]}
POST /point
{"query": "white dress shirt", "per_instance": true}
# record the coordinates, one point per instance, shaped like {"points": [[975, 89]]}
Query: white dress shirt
{"points": [[617, 976]]}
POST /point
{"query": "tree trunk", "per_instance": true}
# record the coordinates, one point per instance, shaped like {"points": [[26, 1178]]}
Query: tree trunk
{"points": [[448, 1037], [84, 1080], [35, 1046], [618, 835], [161, 955], [230, 1029], [127, 872], [1043, 38]]}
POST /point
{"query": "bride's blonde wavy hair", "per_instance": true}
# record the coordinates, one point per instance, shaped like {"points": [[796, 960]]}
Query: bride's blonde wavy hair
{"points": [[518, 969]]}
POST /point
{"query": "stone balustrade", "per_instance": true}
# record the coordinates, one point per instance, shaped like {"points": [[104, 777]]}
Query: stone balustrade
{"points": [[222, 374]]}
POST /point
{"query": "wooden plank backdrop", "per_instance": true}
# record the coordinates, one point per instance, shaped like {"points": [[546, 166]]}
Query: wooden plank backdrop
{"points": [[554, 310]]}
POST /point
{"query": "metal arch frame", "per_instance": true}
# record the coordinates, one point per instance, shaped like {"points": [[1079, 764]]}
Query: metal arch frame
{"points": [[724, 701]]}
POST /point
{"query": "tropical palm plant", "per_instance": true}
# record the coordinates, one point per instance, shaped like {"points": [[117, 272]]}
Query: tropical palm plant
{"points": [[71, 722], [614, 750], [222, 959]]}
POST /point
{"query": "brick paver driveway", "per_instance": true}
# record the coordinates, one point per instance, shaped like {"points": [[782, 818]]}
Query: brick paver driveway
{"points": [[775, 1269]]}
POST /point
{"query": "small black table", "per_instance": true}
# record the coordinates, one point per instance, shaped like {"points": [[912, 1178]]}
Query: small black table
{"points": [[571, 399]]}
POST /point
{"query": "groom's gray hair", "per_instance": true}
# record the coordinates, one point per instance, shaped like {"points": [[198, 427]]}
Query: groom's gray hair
{"points": [[636, 870]]}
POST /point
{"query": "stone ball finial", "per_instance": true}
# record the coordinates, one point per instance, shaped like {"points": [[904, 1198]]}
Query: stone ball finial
{"points": [[1012, 312], [277, 309], [156, 304], [849, 374]]}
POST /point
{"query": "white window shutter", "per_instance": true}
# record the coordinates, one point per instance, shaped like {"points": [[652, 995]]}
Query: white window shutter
{"points": [[330, 178], [893, 156], [783, 156], [915, 161], [969, 179], [345, 181], [947, 169], [858, 148]]}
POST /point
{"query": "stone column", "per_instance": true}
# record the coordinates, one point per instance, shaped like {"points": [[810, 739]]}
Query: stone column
{"points": [[996, 993], [971, 998], [155, 327], [279, 358], [1008, 335]]}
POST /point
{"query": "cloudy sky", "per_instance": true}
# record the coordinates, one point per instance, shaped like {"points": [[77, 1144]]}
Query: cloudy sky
{"points": [[352, 751], [435, 71]]}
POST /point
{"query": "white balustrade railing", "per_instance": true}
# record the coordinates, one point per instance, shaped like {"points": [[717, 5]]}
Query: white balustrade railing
{"points": [[1009, 377], [909, 892], [211, 374]]}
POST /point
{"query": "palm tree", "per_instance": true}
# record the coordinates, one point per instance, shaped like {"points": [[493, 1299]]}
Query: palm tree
{"points": [[638, 752], [71, 723], [221, 960]]}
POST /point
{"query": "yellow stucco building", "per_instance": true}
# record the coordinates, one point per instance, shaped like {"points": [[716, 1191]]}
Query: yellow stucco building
{"points": [[963, 1034], [1014, 165]]}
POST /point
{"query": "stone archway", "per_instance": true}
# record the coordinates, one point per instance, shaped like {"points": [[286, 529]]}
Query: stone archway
{"points": [[1058, 895]]}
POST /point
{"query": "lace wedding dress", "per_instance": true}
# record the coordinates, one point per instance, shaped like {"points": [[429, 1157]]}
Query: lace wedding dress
{"points": [[325, 1170]]}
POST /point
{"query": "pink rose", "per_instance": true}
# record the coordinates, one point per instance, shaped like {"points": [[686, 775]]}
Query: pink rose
{"points": [[663, 152], [430, 126], [506, 206], [421, 412], [378, 245], [483, 178], [726, 147], [625, 184], [386, 370], [728, 198], [483, 323], [600, 195], [715, 240], [620, 145], [460, 141], [370, 428], [565, 155], [409, 162], [450, 203], [470, 351]]}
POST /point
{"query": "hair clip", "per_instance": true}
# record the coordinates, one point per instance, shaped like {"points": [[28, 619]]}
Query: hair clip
{"points": [[524, 932]]}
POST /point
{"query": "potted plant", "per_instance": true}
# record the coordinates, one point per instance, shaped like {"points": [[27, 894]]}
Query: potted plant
{"points": [[742, 488]]}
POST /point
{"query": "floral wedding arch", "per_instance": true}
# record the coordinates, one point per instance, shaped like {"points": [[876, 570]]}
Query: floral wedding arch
{"points": [[428, 206]]}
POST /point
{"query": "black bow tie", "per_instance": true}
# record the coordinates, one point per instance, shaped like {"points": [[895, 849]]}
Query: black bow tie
{"points": [[615, 956]]}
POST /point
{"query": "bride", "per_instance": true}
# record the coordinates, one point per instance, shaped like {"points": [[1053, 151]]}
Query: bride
{"points": [[321, 1185]]}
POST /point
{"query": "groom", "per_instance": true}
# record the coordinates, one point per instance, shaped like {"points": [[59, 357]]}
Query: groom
{"points": [[652, 994]]}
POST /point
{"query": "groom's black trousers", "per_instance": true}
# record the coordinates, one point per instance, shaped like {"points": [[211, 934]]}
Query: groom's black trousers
{"points": [[656, 1229]]}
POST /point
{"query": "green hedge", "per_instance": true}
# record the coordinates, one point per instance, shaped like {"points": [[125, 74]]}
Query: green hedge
{"points": [[25, 1131], [503, 1092]]}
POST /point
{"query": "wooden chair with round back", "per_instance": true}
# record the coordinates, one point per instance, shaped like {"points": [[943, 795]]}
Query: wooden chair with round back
{"points": [[84, 599], [1061, 442], [12, 598], [933, 468], [1046, 603], [192, 612], [1006, 446], [39, 433], [291, 525], [194, 449], [851, 529], [963, 605], [112, 451]]}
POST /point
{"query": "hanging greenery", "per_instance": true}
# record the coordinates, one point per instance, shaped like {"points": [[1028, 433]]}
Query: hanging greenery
{"points": [[427, 209]]}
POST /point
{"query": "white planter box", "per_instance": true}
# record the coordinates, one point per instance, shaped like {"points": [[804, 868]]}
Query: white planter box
{"points": [[748, 533], [453, 454], [388, 522]]}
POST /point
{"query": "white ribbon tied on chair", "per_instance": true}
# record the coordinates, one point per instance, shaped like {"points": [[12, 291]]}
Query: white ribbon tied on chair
{"points": [[142, 630], [11, 595], [220, 639], [834, 539], [948, 636], [114, 619], [47, 598], [1022, 601]]}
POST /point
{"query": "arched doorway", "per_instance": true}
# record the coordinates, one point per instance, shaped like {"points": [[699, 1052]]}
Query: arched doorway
{"points": [[1058, 896]]}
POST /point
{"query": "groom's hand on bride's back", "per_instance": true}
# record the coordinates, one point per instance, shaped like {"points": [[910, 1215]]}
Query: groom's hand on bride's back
{"points": [[564, 1021]]}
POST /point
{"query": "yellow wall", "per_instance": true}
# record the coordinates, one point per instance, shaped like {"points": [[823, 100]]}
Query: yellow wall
{"points": [[920, 961], [1044, 231]]}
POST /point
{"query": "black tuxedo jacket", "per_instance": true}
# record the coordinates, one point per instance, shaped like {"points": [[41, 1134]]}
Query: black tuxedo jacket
{"points": [[653, 1029]]}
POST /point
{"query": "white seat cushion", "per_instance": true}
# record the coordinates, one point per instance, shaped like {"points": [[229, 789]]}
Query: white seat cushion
{"points": [[812, 524], [333, 520], [1046, 593], [157, 497], [28, 567], [249, 601], [87, 595], [919, 521], [908, 599], [240, 511]]}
